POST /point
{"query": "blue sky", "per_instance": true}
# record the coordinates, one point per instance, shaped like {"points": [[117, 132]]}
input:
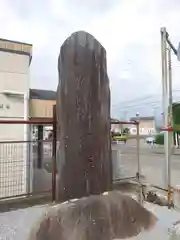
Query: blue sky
{"points": [[128, 29]]}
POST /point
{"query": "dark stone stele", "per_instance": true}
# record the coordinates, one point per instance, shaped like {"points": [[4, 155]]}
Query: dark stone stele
{"points": [[83, 118]]}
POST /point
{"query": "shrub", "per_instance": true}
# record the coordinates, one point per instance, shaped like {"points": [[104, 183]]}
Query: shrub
{"points": [[160, 139]]}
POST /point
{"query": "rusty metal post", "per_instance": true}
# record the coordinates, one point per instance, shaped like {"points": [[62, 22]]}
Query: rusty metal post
{"points": [[170, 138], [138, 152], [138, 163], [54, 167], [40, 147]]}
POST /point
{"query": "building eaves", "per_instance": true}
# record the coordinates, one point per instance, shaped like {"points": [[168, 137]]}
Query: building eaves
{"points": [[42, 94], [141, 118]]}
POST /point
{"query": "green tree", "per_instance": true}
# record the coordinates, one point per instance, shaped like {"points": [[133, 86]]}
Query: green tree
{"points": [[126, 131], [175, 125]]}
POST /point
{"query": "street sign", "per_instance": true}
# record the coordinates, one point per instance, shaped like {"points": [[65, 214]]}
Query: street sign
{"points": [[178, 52]]}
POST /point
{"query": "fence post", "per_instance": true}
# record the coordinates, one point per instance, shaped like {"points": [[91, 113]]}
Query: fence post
{"points": [[54, 144], [138, 174], [31, 160], [83, 115], [138, 151], [40, 147]]}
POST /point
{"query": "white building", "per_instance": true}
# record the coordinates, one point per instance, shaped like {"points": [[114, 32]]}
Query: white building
{"points": [[146, 126], [15, 59], [115, 127]]}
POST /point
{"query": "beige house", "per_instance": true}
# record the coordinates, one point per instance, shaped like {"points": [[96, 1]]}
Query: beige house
{"points": [[146, 126], [41, 104], [41, 108], [15, 59]]}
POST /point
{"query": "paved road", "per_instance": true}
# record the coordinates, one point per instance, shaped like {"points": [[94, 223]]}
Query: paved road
{"points": [[152, 162], [151, 159]]}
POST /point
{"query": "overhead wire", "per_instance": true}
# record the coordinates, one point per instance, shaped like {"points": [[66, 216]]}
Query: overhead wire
{"points": [[142, 101]]}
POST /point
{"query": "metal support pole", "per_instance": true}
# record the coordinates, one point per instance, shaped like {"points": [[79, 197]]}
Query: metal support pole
{"points": [[138, 152], [170, 134], [31, 163], [140, 199], [26, 176], [165, 104], [163, 47], [54, 144], [40, 147], [170, 100]]}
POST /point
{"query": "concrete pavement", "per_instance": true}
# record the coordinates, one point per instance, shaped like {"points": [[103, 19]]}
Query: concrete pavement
{"points": [[152, 163], [151, 160]]}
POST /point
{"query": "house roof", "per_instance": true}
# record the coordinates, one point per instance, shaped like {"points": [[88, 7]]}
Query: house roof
{"points": [[115, 120], [16, 47], [142, 118], [42, 94], [12, 41]]}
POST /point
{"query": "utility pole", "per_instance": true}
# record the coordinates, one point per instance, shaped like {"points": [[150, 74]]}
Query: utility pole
{"points": [[170, 103], [167, 47], [165, 104]]}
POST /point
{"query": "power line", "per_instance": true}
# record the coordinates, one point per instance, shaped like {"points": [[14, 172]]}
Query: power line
{"points": [[134, 100], [144, 101], [136, 105], [143, 98]]}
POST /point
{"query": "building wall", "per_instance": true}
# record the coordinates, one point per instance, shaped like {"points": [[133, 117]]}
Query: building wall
{"points": [[116, 128], [41, 108], [146, 127], [14, 71], [14, 77]]}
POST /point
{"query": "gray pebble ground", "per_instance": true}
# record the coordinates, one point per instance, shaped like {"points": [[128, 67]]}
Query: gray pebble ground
{"points": [[15, 225]]}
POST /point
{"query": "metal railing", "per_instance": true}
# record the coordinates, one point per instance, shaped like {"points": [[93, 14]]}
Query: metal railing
{"points": [[19, 173], [137, 139], [123, 169], [26, 167]]}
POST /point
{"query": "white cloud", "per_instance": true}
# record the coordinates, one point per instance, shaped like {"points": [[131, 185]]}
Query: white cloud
{"points": [[129, 30]]}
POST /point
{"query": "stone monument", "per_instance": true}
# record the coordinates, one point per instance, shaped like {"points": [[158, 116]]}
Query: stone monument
{"points": [[83, 118]]}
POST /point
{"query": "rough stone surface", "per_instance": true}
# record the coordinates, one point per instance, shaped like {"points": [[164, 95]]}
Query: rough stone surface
{"points": [[99, 217], [17, 224], [83, 118]]}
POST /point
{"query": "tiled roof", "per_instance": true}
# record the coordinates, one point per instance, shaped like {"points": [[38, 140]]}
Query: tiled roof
{"points": [[141, 118], [114, 120], [42, 94]]}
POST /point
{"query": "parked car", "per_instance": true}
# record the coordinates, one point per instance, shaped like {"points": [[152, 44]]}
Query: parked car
{"points": [[150, 140], [119, 138]]}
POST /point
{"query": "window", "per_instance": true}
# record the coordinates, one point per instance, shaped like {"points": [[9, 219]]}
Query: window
{"points": [[141, 130]]}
